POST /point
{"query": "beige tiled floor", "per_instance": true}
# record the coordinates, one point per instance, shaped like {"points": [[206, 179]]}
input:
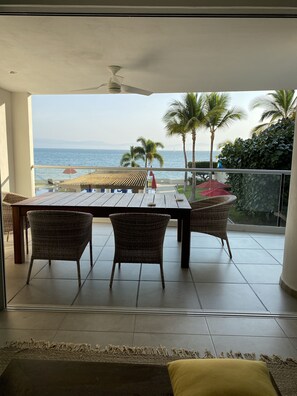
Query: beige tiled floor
{"points": [[218, 304]]}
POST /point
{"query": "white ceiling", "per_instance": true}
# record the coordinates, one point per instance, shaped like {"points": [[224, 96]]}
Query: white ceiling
{"points": [[58, 55]]}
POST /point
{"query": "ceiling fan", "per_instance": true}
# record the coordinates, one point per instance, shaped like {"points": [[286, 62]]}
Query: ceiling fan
{"points": [[114, 84]]}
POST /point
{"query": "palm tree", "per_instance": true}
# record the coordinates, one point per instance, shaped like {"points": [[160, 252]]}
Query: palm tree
{"points": [[148, 151], [190, 111], [218, 115], [277, 105], [130, 158], [222, 144], [176, 127]]}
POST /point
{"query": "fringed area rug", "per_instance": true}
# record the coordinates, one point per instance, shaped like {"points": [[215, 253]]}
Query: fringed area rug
{"points": [[284, 372]]}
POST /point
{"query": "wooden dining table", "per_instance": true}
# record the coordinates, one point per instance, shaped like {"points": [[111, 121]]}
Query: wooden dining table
{"points": [[102, 205]]}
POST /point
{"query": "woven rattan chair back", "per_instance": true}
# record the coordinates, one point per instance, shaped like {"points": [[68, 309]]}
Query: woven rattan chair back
{"points": [[8, 199], [60, 235], [210, 216], [139, 238]]}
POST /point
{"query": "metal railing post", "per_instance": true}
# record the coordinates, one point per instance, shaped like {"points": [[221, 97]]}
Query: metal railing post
{"points": [[280, 198]]}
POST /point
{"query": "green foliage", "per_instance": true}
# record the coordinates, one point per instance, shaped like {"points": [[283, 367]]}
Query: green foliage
{"points": [[187, 192], [149, 151], [271, 149], [202, 164], [130, 158], [279, 104], [189, 115], [201, 177], [218, 115]]}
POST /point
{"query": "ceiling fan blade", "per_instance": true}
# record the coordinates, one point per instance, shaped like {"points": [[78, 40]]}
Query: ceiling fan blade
{"points": [[129, 89], [89, 89]]}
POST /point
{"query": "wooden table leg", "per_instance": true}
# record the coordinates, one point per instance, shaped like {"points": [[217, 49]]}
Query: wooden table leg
{"points": [[18, 236], [179, 229], [186, 241]]}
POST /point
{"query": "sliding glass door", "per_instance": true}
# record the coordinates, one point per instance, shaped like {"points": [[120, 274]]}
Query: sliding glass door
{"points": [[2, 271]]}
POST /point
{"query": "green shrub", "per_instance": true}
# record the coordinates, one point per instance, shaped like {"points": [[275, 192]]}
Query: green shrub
{"points": [[271, 149], [202, 164], [201, 177]]}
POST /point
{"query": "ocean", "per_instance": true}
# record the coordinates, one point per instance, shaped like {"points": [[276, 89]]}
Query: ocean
{"points": [[103, 158]]}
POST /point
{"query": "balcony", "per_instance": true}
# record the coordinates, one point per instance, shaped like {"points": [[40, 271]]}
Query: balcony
{"points": [[218, 304]]}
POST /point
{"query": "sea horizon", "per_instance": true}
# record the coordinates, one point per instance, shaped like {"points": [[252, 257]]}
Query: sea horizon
{"points": [[105, 158]]}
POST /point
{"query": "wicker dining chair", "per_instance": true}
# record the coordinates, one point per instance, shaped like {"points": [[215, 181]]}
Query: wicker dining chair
{"points": [[210, 216], [139, 238], [60, 235], [8, 199]]}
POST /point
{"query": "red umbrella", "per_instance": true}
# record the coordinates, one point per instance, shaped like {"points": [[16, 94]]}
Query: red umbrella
{"points": [[154, 183], [69, 171], [215, 192], [213, 184]]}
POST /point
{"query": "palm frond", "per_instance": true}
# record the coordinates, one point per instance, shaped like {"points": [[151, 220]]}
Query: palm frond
{"points": [[148, 150], [159, 158], [277, 105], [260, 128]]}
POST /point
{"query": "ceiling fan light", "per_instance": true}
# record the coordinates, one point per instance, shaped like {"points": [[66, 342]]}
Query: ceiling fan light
{"points": [[114, 87]]}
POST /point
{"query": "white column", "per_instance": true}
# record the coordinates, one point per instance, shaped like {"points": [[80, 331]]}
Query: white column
{"points": [[6, 150], [288, 280], [22, 143]]}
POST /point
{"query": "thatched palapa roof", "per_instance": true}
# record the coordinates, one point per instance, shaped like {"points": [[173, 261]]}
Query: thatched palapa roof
{"points": [[134, 180]]}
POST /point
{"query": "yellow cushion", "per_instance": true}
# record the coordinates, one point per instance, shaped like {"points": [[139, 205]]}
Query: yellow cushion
{"points": [[220, 377]]}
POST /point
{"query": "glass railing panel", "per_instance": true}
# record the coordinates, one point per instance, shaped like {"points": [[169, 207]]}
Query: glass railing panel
{"points": [[257, 198], [283, 200], [50, 178], [78, 179], [262, 199], [164, 181], [262, 196]]}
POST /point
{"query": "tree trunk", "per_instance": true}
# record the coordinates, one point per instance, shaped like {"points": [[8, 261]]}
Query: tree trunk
{"points": [[212, 136], [146, 184], [193, 195], [186, 163]]}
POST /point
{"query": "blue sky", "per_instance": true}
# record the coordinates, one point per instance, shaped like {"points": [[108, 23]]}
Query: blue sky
{"points": [[116, 121]]}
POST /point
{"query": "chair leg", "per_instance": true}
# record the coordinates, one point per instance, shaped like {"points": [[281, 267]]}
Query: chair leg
{"points": [[30, 269], [112, 274], [27, 243], [229, 249], [162, 275], [78, 273], [91, 254], [49, 262], [7, 238], [222, 240]]}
